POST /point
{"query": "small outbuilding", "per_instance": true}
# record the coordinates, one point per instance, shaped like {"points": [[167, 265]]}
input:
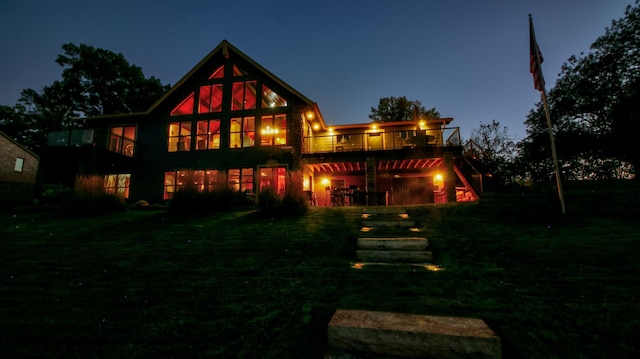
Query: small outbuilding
{"points": [[18, 172]]}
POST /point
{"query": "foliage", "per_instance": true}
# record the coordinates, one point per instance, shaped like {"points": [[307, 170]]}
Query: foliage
{"points": [[190, 200], [90, 198], [102, 82], [15, 123], [401, 109], [294, 202], [492, 146], [94, 82], [593, 109]]}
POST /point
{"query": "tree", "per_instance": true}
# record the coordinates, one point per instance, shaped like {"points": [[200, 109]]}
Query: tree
{"points": [[94, 82], [495, 149], [101, 82], [595, 121], [400, 109]]}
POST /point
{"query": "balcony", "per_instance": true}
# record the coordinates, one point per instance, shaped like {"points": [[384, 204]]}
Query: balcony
{"points": [[89, 137], [381, 140], [71, 138]]}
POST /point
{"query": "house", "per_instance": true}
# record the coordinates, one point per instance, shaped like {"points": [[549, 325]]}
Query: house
{"points": [[18, 172], [231, 120]]}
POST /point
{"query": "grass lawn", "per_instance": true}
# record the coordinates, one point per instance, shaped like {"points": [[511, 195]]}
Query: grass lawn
{"points": [[148, 284]]}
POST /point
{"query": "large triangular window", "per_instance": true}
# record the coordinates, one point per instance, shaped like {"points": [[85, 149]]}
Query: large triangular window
{"points": [[217, 74], [238, 71], [272, 99], [185, 107]]}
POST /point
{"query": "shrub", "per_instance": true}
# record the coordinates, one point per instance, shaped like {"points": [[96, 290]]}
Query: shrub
{"points": [[293, 203], [189, 199], [295, 200], [90, 198], [269, 201]]}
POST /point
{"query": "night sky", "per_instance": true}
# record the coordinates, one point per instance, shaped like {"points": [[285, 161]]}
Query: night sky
{"points": [[469, 59]]}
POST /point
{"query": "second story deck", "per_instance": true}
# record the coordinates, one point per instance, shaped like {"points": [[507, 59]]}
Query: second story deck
{"points": [[381, 140]]}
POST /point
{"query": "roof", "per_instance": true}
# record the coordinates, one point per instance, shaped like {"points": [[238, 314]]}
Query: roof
{"points": [[19, 145], [224, 47]]}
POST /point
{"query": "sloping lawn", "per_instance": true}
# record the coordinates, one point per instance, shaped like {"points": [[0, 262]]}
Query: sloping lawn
{"points": [[147, 284]]}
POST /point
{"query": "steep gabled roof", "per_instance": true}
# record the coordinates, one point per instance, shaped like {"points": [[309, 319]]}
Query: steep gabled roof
{"points": [[223, 48]]}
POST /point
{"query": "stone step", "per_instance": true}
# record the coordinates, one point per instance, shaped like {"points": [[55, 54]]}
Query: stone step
{"points": [[384, 210], [394, 243], [388, 224], [382, 232], [393, 256], [411, 335]]}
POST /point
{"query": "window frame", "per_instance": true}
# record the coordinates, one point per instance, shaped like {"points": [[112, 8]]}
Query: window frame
{"points": [[185, 139], [120, 143], [118, 188], [19, 165]]}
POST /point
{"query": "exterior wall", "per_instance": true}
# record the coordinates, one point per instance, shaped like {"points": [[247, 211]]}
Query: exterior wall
{"points": [[153, 159], [11, 151], [16, 188]]}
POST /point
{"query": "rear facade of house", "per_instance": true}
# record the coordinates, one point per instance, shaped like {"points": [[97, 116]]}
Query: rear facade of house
{"points": [[230, 122]]}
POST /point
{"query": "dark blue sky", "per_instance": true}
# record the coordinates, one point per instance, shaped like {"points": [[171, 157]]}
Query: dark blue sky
{"points": [[467, 58]]}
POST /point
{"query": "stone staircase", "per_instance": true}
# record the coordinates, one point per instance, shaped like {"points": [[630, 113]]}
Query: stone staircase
{"points": [[391, 238]]}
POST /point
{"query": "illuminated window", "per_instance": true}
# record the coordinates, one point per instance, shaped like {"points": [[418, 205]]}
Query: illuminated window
{"points": [[210, 99], [208, 135], [180, 136], [206, 180], [19, 164], [185, 107], [238, 71], [240, 179], [122, 140], [117, 184], [202, 180], [217, 74], [243, 96], [273, 177], [271, 99], [273, 130], [242, 132]]}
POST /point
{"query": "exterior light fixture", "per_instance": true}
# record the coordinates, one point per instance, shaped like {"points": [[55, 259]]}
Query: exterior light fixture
{"points": [[310, 115], [324, 181], [316, 126]]}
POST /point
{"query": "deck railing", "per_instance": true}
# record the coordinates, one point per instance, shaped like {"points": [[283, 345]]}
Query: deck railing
{"points": [[383, 140]]}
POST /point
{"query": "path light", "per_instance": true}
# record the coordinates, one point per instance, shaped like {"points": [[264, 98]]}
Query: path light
{"points": [[433, 268]]}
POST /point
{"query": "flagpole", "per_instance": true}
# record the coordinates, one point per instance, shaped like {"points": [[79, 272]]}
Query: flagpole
{"points": [[545, 104]]}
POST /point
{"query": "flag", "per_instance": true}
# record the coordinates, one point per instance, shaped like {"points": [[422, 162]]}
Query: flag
{"points": [[535, 59]]}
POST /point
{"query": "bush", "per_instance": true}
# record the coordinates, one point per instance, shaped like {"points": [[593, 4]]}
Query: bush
{"points": [[269, 201], [90, 198], [295, 200], [189, 199], [293, 203]]}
